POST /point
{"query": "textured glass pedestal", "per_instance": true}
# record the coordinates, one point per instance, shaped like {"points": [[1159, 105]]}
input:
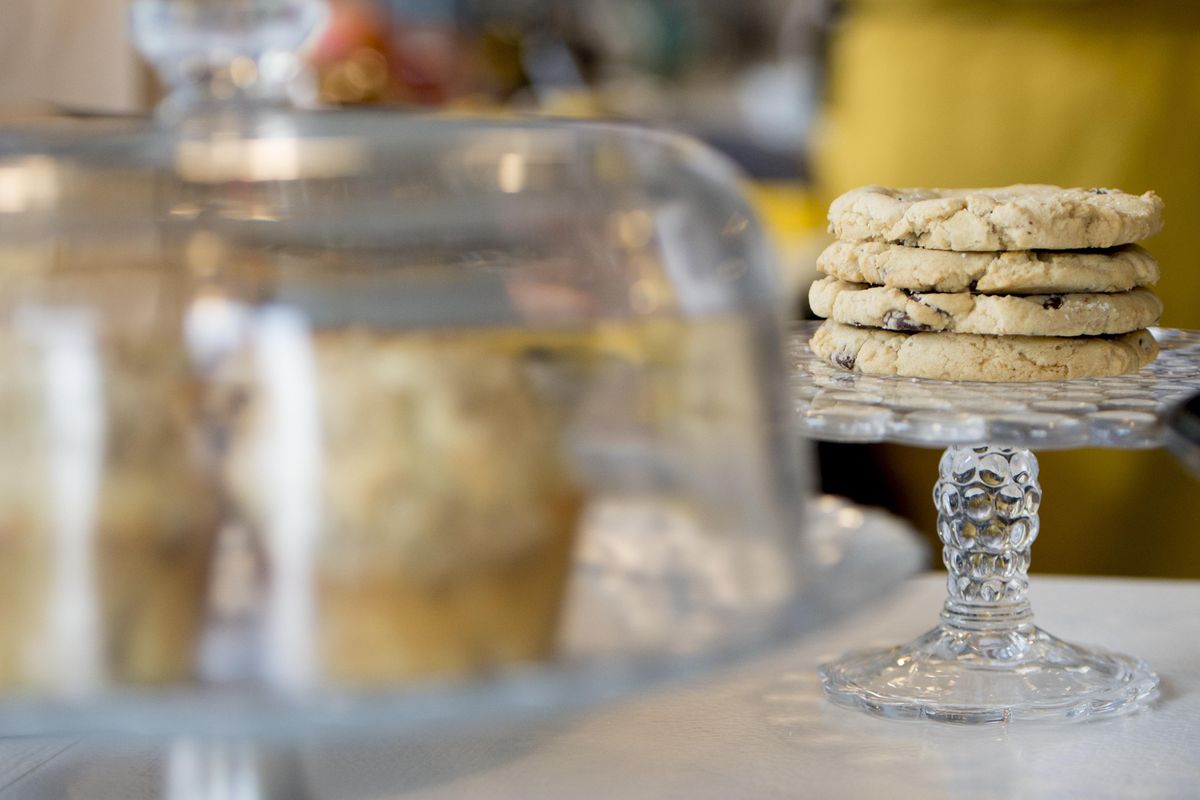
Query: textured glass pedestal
{"points": [[986, 661]]}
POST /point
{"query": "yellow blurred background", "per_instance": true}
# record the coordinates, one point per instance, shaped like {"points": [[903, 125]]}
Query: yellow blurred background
{"points": [[810, 97]]}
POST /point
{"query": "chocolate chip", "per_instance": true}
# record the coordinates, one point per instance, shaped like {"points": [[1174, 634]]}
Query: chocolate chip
{"points": [[844, 360], [1054, 301], [973, 286], [1098, 191], [899, 321]]}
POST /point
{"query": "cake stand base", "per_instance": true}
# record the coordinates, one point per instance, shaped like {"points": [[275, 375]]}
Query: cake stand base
{"points": [[951, 675], [987, 661]]}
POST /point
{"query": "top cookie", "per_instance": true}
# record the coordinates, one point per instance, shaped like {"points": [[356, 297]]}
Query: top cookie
{"points": [[1022, 217]]}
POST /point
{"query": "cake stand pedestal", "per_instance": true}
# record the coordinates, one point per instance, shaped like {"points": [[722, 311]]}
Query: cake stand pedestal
{"points": [[986, 660]]}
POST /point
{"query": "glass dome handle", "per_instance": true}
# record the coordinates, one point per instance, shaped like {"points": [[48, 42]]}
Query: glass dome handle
{"points": [[227, 50]]}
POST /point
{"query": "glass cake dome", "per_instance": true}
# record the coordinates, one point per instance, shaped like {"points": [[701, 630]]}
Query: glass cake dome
{"points": [[306, 404]]}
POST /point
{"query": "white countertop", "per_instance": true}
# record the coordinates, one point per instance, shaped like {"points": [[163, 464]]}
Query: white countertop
{"points": [[763, 731]]}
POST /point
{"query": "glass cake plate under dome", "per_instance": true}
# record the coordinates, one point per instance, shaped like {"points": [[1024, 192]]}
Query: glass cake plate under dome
{"points": [[358, 421], [986, 661]]}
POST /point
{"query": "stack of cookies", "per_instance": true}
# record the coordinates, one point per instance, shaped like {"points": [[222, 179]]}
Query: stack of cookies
{"points": [[1022, 283]]}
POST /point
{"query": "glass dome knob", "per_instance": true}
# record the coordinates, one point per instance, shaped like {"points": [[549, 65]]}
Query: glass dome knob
{"points": [[224, 50]]}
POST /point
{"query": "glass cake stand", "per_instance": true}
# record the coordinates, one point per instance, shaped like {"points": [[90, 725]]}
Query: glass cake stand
{"points": [[644, 611], [545, 502], [986, 661]]}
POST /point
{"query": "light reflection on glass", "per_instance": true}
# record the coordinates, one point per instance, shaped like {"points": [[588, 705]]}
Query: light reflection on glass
{"points": [[275, 158], [511, 173], [29, 184]]}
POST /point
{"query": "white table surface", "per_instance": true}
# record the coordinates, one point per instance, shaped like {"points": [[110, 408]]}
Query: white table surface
{"points": [[763, 731]]}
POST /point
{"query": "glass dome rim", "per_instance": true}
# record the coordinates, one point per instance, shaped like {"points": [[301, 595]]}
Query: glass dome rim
{"points": [[142, 139]]}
